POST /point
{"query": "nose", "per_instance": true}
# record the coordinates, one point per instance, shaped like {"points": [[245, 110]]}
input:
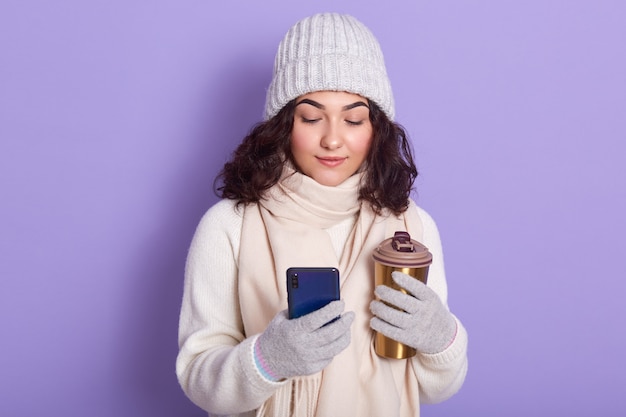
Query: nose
{"points": [[331, 137]]}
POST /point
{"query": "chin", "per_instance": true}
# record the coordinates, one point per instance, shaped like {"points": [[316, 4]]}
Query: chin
{"points": [[329, 182]]}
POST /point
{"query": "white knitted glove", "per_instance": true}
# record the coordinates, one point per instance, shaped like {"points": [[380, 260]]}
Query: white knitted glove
{"points": [[423, 322], [304, 345]]}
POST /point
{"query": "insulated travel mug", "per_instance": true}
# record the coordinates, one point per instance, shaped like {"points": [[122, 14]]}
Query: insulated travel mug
{"points": [[399, 253]]}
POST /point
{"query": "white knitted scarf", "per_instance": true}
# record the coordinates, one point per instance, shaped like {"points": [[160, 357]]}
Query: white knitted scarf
{"points": [[287, 229]]}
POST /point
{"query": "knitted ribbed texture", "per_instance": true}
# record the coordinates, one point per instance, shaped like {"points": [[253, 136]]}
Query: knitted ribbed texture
{"points": [[331, 52]]}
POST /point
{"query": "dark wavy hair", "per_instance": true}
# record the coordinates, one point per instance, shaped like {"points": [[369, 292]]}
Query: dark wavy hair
{"points": [[256, 165]]}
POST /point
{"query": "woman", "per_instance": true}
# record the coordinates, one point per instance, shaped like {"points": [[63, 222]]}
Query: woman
{"points": [[321, 182]]}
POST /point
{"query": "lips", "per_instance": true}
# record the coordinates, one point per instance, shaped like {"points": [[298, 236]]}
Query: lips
{"points": [[331, 161]]}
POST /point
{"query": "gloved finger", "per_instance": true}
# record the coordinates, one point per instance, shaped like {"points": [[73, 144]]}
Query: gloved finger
{"points": [[339, 344], [398, 299], [318, 318], [413, 286], [393, 316], [330, 350], [390, 331], [333, 330]]}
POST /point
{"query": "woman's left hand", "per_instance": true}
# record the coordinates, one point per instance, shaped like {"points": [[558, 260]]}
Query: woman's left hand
{"points": [[420, 319]]}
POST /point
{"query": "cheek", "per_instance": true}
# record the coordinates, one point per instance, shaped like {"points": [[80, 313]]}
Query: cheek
{"points": [[362, 143], [301, 140], [296, 143], [300, 148]]}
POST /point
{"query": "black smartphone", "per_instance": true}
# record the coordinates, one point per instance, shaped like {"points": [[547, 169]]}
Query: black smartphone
{"points": [[309, 289]]}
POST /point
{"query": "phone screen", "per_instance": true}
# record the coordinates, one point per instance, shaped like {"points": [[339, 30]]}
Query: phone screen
{"points": [[309, 289]]}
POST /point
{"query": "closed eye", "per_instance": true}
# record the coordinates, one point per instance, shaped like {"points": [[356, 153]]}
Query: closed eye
{"points": [[310, 121], [354, 122]]}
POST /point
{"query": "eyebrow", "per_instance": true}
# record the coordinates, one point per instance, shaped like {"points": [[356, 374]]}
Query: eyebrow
{"points": [[322, 107]]}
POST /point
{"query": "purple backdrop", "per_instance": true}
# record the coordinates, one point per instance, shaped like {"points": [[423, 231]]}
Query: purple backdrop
{"points": [[115, 117]]}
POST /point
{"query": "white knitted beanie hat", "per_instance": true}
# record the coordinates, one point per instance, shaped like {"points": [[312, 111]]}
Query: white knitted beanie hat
{"points": [[329, 52]]}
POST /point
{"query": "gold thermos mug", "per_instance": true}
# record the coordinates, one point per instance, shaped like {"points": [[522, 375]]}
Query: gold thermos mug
{"points": [[399, 253]]}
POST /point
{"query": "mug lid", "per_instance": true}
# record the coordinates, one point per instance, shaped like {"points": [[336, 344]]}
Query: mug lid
{"points": [[402, 251]]}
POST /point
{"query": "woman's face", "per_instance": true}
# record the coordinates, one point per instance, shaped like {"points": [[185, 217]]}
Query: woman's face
{"points": [[331, 135]]}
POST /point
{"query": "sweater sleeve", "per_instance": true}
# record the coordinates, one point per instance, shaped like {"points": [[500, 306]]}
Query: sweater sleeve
{"points": [[215, 364], [442, 374]]}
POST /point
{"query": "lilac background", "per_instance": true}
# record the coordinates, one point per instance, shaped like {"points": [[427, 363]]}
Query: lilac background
{"points": [[116, 115]]}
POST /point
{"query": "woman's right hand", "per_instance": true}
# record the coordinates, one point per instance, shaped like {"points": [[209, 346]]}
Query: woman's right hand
{"points": [[305, 345]]}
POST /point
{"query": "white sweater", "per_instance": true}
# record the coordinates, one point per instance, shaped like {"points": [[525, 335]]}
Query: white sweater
{"points": [[215, 364]]}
